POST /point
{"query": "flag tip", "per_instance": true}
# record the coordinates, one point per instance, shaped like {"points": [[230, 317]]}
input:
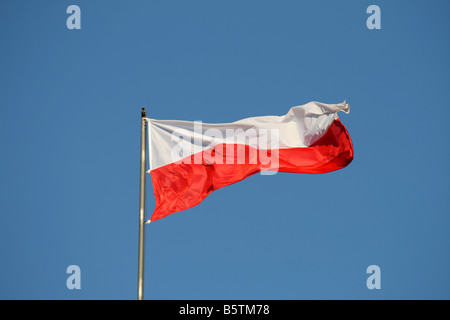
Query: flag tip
{"points": [[143, 113]]}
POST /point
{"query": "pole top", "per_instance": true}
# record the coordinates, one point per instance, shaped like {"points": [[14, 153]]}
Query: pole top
{"points": [[143, 113]]}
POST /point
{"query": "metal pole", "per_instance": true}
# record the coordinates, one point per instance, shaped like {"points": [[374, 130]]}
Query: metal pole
{"points": [[140, 294]]}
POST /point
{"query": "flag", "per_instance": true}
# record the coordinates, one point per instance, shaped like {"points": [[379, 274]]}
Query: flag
{"points": [[189, 160]]}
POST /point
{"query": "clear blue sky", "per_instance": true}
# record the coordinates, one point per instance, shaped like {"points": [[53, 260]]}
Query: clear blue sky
{"points": [[69, 140]]}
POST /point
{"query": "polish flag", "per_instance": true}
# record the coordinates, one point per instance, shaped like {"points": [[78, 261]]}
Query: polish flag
{"points": [[189, 160]]}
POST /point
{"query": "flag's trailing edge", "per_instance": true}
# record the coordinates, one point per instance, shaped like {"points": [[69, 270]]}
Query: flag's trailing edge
{"points": [[189, 160]]}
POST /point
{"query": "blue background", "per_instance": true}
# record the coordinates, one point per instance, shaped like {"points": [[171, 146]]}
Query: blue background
{"points": [[70, 139]]}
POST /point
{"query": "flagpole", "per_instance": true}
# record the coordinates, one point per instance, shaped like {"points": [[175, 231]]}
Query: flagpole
{"points": [[140, 293]]}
